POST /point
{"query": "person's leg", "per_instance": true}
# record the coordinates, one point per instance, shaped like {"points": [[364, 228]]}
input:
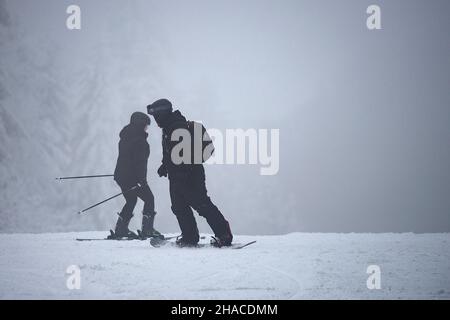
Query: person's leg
{"points": [[201, 202], [183, 212], [148, 213], [127, 212], [146, 195]]}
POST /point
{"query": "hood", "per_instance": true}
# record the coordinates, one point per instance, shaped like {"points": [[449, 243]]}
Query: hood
{"points": [[140, 119], [132, 131]]}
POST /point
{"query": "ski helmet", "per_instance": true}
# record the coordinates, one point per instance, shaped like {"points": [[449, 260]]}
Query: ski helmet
{"points": [[159, 106]]}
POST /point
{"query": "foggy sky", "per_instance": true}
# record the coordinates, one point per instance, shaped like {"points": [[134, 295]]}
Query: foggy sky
{"points": [[364, 116]]}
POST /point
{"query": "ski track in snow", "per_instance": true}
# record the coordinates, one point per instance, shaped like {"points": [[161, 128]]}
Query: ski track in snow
{"points": [[293, 266]]}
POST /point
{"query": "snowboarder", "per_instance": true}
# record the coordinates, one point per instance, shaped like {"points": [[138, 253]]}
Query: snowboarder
{"points": [[187, 183], [131, 169]]}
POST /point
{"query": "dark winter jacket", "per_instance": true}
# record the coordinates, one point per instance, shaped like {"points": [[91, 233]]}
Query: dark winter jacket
{"points": [[173, 121], [131, 167]]}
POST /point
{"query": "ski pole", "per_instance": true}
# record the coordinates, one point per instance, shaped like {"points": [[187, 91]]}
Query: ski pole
{"points": [[99, 203], [82, 177]]}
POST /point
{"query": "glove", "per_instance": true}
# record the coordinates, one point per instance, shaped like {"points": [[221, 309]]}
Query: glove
{"points": [[162, 171]]}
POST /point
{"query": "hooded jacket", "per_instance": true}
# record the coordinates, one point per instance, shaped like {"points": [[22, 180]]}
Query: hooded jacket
{"points": [[174, 120], [134, 151]]}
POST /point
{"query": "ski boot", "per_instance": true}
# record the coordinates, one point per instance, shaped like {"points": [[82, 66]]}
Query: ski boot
{"points": [[147, 227], [220, 242], [121, 230], [224, 240], [183, 242]]}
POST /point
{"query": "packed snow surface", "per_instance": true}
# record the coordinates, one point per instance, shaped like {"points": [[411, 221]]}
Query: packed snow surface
{"points": [[293, 266]]}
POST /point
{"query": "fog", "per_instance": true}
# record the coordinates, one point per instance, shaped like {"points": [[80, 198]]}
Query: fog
{"points": [[364, 115]]}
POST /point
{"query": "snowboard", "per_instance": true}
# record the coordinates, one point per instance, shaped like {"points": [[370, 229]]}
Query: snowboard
{"points": [[158, 243]]}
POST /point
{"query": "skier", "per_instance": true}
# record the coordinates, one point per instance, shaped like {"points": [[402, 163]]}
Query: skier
{"points": [[131, 169], [187, 183]]}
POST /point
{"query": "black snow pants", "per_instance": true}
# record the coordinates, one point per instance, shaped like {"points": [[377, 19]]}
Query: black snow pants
{"points": [[189, 192], [144, 193]]}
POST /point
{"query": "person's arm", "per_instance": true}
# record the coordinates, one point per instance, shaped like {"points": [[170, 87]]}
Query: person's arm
{"points": [[140, 158], [162, 170]]}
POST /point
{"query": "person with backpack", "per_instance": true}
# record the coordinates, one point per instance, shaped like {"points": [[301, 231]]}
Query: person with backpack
{"points": [[187, 179], [131, 170]]}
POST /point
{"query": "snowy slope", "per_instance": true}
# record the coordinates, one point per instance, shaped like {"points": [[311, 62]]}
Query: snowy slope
{"points": [[293, 266]]}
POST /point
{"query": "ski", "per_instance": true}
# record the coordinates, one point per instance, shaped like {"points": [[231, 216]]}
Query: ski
{"points": [[106, 239], [158, 243], [112, 237], [140, 238]]}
